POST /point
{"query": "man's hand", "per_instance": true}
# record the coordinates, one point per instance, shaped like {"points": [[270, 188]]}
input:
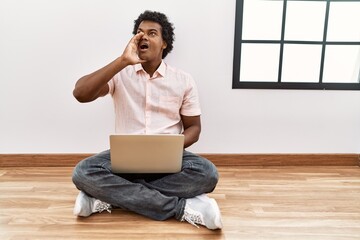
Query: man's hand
{"points": [[130, 55], [94, 85]]}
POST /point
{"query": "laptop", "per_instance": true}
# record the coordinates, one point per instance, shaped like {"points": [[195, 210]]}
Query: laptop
{"points": [[158, 153]]}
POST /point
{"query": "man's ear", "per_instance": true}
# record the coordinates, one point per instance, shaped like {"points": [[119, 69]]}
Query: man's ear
{"points": [[164, 45]]}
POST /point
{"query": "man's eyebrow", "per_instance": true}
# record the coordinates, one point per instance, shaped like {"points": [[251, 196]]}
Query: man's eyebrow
{"points": [[151, 29]]}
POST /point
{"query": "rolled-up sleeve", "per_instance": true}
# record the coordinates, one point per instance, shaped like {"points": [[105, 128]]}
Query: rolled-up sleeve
{"points": [[191, 101]]}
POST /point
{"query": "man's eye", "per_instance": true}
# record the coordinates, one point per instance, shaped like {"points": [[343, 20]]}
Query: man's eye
{"points": [[152, 34]]}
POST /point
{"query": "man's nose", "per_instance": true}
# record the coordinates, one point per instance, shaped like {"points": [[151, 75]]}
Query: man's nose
{"points": [[144, 37]]}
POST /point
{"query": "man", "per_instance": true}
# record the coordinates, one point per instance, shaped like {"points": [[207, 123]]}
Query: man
{"points": [[150, 97]]}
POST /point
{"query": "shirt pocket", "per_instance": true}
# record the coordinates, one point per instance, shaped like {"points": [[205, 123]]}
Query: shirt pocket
{"points": [[170, 106]]}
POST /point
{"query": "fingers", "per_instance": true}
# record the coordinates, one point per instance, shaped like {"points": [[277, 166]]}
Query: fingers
{"points": [[137, 37], [130, 53]]}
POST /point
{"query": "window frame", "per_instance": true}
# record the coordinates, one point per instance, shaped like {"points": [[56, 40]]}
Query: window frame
{"points": [[238, 41]]}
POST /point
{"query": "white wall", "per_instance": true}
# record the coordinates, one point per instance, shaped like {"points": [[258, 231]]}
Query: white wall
{"points": [[45, 46]]}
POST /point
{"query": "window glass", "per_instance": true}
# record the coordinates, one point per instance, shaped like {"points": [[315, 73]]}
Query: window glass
{"points": [[305, 20], [344, 21], [264, 57], [266, 27], [301, 63], [342, 64]]}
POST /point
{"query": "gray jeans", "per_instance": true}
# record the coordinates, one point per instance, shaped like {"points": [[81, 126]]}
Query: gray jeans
{"points": [[157, 196]]}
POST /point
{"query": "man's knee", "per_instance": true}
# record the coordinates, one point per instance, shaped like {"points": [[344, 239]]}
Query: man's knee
{"points": [[212, 176], [79, 173]]}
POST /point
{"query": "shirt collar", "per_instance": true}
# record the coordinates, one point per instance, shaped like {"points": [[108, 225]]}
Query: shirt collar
{"points": [[161, 69]]}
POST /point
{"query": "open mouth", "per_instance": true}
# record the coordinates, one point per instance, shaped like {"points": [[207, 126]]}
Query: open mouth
{"points": [[144, 46]]}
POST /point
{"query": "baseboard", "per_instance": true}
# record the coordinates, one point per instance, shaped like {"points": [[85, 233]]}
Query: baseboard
{"points": [[71, 159]]}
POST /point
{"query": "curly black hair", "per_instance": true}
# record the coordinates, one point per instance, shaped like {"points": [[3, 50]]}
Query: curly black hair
{"points": [[167, 28]]}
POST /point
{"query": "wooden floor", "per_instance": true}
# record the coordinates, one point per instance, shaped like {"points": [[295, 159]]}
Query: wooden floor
{"points": [[256, 203]]}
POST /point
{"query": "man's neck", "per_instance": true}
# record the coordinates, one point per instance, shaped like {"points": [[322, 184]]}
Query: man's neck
{"points": [[151, 67]]}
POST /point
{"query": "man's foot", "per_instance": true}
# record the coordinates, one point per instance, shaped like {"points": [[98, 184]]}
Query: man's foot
{"points": [[85, 205], [202, 210]]}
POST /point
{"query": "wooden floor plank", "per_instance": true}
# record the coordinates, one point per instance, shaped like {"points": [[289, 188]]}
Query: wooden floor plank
{"points": [[256, 203]]}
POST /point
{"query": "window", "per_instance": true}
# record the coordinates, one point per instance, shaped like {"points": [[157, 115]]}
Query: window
{"points": [[297, 44]]}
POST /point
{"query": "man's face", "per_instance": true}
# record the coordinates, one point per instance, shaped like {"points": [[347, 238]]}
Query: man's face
{"points": [[151, 45]]}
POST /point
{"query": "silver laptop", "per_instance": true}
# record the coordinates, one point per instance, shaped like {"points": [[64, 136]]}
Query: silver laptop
{"points": [[146, 153]]}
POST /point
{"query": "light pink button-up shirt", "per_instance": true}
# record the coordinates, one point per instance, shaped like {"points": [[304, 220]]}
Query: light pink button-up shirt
{"points": [[145, 105]]}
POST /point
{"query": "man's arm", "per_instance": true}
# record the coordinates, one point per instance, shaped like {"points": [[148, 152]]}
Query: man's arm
{"points": [[192, 129], [94, 85]]}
